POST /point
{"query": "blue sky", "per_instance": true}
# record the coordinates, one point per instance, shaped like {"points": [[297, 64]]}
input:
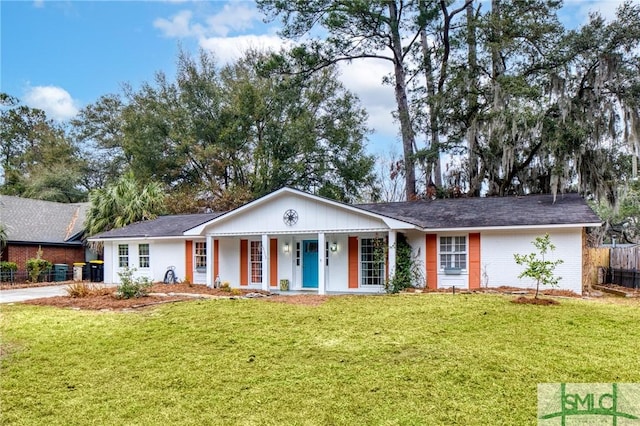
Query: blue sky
{"points": [[63, 55]]}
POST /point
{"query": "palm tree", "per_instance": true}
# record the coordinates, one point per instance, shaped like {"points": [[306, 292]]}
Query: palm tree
{"points": [[123, 203], [3, 238]]}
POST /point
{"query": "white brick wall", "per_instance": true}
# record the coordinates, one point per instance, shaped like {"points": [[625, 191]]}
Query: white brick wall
{"points": [[497, 249]]}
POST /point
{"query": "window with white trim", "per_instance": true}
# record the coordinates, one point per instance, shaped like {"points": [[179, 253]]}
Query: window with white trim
{"points": [[143, 255], [372, 261], [200, 255], [453, 252], [123, 255], [255, 261]]}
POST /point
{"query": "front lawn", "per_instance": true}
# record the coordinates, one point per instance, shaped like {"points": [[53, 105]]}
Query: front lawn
{"points": [[411, 359]]}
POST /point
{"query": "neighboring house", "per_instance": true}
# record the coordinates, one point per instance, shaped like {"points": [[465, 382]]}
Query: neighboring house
{"points": [[56, 228], [327, 246]]}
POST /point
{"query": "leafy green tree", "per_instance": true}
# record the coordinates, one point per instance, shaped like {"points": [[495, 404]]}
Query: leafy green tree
{"points": [[122, 203], [98, 129], [621, 220], [393, 31], [307, 133], [38, 159], [537, 267], [217, 137]]}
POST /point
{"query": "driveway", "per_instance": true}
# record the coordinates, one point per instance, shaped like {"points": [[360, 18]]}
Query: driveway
{"points": [[22, 294]]}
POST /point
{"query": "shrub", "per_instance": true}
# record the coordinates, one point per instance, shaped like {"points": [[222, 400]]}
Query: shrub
{"points": [[132, 287], [408, 268], [8, 266], [6, 270], [79, 289], [236, 292], [37, 265], [83, 289]]}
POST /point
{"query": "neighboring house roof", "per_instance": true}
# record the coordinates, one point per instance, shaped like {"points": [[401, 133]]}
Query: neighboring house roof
{"points": [[42, 222], [163, 226], [485, 212]]}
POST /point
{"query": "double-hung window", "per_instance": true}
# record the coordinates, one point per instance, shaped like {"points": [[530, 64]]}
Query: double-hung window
{"points": [[453, 252], [200, 255], [372, 261], [143, 255], [123, 255], [256, 261]]}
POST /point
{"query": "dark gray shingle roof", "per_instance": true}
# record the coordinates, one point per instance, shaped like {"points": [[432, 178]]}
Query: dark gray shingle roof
{"points": [[528, 210], [163, 226], [36, 221]]}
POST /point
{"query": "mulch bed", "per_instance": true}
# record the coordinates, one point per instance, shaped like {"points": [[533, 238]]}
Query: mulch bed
{"points": [[103, 298], [502, 290], [104, 302]]}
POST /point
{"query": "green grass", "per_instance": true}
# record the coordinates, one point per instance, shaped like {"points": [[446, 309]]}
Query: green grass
{"points": [[430, 359]]}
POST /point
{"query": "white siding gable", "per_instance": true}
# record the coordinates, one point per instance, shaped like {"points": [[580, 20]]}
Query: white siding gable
{"points": [[314, 215]]}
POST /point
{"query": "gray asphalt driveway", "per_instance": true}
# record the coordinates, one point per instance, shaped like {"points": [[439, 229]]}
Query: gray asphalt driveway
{"points": [[22, 294]]}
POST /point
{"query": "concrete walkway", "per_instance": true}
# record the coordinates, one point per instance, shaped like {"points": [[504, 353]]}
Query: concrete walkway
{"points": [[22, 294]]}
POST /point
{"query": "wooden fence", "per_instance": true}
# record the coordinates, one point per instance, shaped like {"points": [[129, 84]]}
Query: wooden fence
{"points": [[619, 265], [625, 258]]}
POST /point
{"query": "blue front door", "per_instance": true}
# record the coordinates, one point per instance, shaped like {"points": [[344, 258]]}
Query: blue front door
{"points": [[310, 264]]}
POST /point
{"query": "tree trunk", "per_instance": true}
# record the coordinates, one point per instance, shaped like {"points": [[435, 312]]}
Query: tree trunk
{"points": [[434, 164], [408, 136], [475, 180]]}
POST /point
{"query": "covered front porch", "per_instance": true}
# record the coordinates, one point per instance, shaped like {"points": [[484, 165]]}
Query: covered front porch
{"points": [[318, 263], [315, 243]]}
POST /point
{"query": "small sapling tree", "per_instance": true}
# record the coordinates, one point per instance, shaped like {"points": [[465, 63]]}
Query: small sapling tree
{"points": [[537, 267]]}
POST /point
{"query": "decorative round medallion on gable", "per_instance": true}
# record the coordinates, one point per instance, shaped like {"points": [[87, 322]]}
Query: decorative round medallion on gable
{"points": [[290, 217]]}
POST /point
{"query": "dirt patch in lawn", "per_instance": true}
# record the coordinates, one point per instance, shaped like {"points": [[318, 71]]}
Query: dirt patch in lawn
{"points": [[300, 299], [535, 301], [203, 289]]}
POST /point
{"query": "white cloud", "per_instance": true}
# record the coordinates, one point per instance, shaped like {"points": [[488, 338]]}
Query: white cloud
{"points": [[179, 25], [577, 11], [236, 17], [55, 101], [232, 17], [364, 78], [38, 3], [230, 49]]}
